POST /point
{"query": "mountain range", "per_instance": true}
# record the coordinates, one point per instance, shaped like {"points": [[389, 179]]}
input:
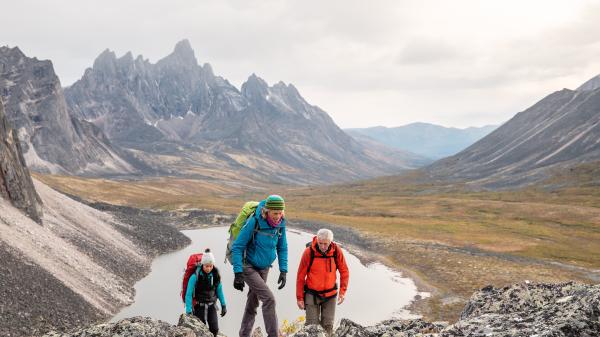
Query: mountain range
{"points": [[129, 116], [424, 139]]}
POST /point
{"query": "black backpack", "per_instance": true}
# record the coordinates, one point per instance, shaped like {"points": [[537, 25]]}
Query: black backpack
{"points": [[319, 256]]}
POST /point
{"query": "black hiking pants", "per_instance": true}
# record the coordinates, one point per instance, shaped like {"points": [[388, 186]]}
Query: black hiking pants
{"points": [[207, 313]]}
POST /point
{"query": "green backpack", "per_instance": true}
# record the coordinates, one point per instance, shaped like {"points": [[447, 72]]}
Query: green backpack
{"points": [[234, 230]]}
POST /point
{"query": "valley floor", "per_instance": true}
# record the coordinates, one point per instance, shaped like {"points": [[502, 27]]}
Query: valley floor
{"points": [[452, 242]]}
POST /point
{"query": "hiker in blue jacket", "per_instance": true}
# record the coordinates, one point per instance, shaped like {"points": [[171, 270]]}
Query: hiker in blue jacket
{"points": [[204, 287], [262, 238]]}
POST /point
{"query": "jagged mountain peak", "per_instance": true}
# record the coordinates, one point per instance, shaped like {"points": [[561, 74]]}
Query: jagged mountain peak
{"points": [[14, 51], [105, 60], [183, 47], [208, 70], [128, 57], [255, 88], [289, 89], [182, 54], [590, 85]]}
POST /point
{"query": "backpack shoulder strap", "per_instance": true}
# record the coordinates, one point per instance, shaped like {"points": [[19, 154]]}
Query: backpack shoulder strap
{"points": [[197, 272], [256, 227], [335, 256], [312, 259]]}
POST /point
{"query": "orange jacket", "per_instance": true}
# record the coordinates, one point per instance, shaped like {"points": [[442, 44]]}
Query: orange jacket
{"points": [[322, 274]]}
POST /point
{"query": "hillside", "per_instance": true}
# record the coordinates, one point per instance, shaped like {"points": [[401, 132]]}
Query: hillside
{"points": [[559, 132]]}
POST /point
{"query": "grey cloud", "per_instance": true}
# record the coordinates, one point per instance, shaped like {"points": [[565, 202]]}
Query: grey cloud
{"points": [[425, 51]]}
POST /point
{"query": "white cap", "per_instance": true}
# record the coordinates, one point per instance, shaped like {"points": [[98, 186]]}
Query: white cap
{"points": [[207, 258]]}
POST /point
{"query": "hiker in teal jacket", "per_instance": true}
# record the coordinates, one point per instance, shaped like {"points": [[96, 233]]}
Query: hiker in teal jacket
{"points": [[203, 289], [261, 240]]}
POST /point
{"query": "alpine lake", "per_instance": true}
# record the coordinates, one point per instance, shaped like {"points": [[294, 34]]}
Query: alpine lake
{"points": [[375, 292]]}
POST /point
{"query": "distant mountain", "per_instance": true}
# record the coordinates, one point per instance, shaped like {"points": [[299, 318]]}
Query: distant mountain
{"points": [[560, 131], [383, 151], [182, 119], [428, 140], [52, 140]]}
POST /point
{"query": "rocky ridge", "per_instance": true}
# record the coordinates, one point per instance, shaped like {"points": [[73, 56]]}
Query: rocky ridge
{"points": [[52, 140], [520, 310], [15, 182]]}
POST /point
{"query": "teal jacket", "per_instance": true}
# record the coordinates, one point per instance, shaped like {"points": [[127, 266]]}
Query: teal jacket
{"points": [[189, 293], [260, 248]]}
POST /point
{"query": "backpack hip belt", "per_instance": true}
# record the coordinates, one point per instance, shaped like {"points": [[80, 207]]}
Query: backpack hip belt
{"points": [[320, 293]]}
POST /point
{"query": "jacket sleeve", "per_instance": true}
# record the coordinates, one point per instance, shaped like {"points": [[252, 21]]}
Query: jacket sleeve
{"points": [[221, 295], [189, 293], [239, 246], [344, 272], [301, 276], [282, 251]]}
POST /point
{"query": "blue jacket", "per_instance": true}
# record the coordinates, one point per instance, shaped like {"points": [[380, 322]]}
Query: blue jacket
{"points": [[266, 245], [189, 293]]}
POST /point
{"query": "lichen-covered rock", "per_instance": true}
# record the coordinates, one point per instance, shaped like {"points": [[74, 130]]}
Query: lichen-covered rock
{"points": [[525, 309], [312, 330], [393, 327], [142, 326], [193, 323]]}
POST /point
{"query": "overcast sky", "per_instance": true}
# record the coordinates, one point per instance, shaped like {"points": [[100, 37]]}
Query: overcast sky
{"points": [[367, 63]]}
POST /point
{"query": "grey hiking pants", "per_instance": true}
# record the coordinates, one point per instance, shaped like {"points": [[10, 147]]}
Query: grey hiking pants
{"points": [[259, 291], [320, 311]]}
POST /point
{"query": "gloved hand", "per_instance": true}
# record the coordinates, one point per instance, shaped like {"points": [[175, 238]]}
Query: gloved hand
{"points": [[281, 280], [238, 281], [223, 311]]}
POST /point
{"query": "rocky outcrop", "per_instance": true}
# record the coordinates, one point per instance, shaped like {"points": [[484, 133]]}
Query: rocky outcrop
{"points": [[15, 182], [521, 310], [188, 326], [52, 140], [525, 309], [560, 131], [394, 327], [180, 110]]}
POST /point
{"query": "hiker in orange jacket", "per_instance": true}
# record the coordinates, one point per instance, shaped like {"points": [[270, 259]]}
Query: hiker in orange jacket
{"points": [[316, 287]]}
